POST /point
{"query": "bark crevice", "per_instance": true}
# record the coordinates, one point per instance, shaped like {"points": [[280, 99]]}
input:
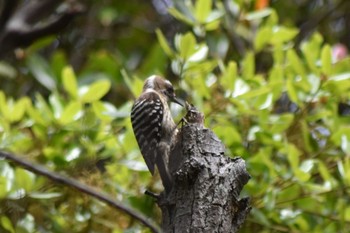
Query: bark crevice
{"points": [[207, 185]]}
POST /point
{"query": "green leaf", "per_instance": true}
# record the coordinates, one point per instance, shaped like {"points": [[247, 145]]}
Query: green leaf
{"points": [[291, 90], [13, 111], [229, 76], [202, 10], [256, 92], [3, 187], [279, 123], [276, 78], [24, 179], [134, 84], [200, 54], [95, 91], [326, 58], [338, 85], [324, 171], [19, 108], [213, 25], [270, 198], [71, 112], [293, 155], [185, 44], [36, 115], [311, 52], [262, 38], [248, 66], [260, 217], [56, 104], [7, 224], [283, 34], [272, 20], [69, 81], [178, 15], [6, 70], [278, 55], [43, 106], [257, 15], [296, 63], [344, 169], [37, 195], [164, 44], [105, 110], [229, 134], [41, 71]]}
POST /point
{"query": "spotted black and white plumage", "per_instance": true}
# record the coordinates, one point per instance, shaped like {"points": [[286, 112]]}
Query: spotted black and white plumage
{"points": [[146, 118], [153, 125]]}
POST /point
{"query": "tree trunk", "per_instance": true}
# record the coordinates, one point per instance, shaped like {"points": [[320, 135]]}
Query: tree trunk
{"points": [[207, 184]]}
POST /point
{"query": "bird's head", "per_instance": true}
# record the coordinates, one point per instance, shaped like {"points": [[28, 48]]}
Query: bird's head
{"points": [[162, 86]]}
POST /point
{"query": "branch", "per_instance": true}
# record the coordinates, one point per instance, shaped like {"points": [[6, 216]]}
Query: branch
{"points": [[80, 187], [33, 20], [207, 184], [308, 27], [7, 9]]}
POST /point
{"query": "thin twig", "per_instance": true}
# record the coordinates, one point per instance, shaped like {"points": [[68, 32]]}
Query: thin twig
{"points": [[33, 20], [69, 182]]}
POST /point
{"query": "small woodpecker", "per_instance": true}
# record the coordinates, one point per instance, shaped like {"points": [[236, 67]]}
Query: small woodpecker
{"points": [[154, 127]]}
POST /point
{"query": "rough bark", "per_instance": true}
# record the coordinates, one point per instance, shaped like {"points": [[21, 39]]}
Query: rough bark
{"points": [[207, 184]]}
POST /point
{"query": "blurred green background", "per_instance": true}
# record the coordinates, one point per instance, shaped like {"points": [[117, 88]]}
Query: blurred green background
{"points": [[271, 77]]}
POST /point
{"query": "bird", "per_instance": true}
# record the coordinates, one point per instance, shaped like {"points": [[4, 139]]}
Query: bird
{"points": [[154, 127]]}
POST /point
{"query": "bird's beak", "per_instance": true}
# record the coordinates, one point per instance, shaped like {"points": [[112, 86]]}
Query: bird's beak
{"points": [[177, 100]]}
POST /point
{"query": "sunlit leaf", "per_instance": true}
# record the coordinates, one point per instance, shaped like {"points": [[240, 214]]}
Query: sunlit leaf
{"points": [[185, 44], [296, 63], [326, 58], [262, 38], [6, 70], [134, 84], [105, 111], [69, 81], [291, 90], [293, 155], [94, 91], [41, 71], [6, 224], [281, 122], [14, 111], [37, 195], [324, 171], [229, 76], [71, 112], [177, 14], [230, 135], [3, 186], [199, 55], [283, 34], [56, 104], [24, 179], [248, 66], [255, 15], [202, 10]]}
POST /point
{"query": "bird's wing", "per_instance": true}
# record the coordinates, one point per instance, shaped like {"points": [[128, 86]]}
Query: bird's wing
{"points": [[146, 119]]}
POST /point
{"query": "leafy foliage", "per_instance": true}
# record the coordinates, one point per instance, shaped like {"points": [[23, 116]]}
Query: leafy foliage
{"points": [[284, 108]]}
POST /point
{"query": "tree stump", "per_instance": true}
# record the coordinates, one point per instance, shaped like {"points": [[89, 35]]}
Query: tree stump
{"points": [[207, 184]]}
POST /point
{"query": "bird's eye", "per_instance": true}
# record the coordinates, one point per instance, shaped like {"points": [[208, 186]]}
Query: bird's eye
{"points": [[170, 90]]}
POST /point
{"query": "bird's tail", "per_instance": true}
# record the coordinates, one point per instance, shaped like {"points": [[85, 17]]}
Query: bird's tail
{"points": [[162, 161]]}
